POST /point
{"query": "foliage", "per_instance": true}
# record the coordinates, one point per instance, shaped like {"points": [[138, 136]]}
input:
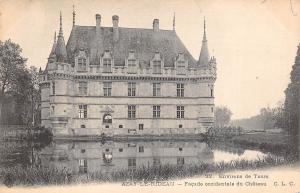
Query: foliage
{"points": [[292, 99], [222, 116], [19, 92], [46, 176]]}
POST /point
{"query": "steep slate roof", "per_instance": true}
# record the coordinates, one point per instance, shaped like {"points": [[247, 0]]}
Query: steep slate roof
{"points": [[143, 41]]}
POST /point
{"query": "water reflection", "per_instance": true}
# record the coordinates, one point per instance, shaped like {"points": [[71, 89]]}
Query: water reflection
{"points": [[111, 156], [84, 157]]}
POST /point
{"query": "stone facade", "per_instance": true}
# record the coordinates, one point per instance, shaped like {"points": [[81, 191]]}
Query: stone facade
{"points": [[122, 81]]}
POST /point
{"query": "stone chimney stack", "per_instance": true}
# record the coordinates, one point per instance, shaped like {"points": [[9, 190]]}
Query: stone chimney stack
{"points": [[98, 22], [155, 24], [115, 20]]}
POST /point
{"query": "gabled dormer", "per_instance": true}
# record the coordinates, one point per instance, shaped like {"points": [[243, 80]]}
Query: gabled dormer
{"points": [[81, 61], [106, 61], [181, 64], [157, 63], [131, 62]]}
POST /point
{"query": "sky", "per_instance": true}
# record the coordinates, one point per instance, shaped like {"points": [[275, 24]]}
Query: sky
{"points": [[254, 41]]}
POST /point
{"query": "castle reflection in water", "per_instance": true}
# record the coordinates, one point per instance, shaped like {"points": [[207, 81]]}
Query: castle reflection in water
{"points": [[88, 157]]}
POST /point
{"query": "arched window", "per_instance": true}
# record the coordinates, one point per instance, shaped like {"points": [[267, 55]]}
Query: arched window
{"points": [[107, 118]]}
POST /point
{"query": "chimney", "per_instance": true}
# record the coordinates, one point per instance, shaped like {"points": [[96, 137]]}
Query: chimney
{"points": [[115, 20], [98, 21], [155, 24]]}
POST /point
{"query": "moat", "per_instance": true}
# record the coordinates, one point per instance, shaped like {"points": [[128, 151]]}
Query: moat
{"points": [[80, 157]]}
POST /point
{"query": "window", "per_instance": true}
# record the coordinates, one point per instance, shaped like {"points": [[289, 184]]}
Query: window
{"points": [[131, 112], [82, 126], [120, 126], [212, 109], [82, 88], [180, 161], [81, 64], [131, 162], [82, 111], [53, 88], [156, 111], [120, 149], [180, 112], [106, 65], [131, 89], [141, 126], [131, 66], [106, 126], [141, 149], [180, 90], [107, 86], [82, 151], [156, 89], [82, 166], [180, 149], [156, 67], [107, 118], [211, 92], [180, 67], [180, 126]]}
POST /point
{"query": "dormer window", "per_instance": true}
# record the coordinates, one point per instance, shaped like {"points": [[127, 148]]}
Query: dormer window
{"points": [[107, 62], [81, 61], [181, 64], [106, 65], [131, 63], [81, 64], [157, 63], [156, 67]]}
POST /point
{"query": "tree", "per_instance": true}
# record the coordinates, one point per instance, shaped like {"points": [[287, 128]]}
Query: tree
{"points": [[18, 86], [222, 116], [11, 63]]}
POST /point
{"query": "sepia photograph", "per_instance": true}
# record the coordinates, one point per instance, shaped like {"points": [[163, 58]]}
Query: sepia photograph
{"points": [[153, 96]]}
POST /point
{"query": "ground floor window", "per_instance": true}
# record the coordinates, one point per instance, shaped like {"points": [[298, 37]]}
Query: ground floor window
{"points": [[131, 162], [180, 112], [131, 111], [107, 118], [82, 112], [82, 166], [156, 111]]}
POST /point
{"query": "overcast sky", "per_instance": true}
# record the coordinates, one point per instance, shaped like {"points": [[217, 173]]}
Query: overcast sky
{"points": [[254, 41]]}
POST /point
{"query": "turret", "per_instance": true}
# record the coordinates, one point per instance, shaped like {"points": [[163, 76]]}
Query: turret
{"points": [[60, 50], [204, 54]]}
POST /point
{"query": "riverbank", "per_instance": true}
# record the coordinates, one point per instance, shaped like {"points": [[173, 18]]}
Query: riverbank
{"points": [[18, 176]]}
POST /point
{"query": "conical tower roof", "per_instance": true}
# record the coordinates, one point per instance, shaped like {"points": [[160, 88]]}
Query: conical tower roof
{"points": [[60, 50], [52, 53], [204, 54]]}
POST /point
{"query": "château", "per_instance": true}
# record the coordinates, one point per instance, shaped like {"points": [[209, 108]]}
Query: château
{"points": [[126, 81]]}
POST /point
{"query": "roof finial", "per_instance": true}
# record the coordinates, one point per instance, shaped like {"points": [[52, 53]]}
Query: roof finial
{"points": [[60, 25], [204, 34], [174, 21], [73, 14]]}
